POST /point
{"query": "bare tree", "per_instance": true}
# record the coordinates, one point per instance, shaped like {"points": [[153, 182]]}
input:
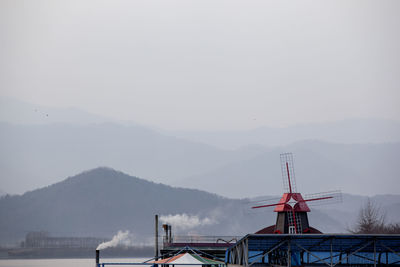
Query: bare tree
{"points": [[370, 219]]}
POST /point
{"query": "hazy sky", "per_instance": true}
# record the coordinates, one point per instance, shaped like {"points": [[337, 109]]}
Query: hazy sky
{"points": [[205, 64]]}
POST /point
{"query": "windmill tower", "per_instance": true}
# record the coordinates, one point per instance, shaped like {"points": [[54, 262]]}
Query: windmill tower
{"points": [[292, 208]]}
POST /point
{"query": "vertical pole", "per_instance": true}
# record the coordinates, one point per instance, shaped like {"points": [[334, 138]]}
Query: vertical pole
{"points": [[374, 252], [289, 258], [156, 237], [290, 189], [247, 253], [288, 175], [331, 253], [97, 257], [166, 228], [170, 233]]}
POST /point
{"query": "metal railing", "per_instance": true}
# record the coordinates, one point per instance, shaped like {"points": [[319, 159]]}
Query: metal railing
{"points": [[194, 239], [103, 264], [153, 261]]}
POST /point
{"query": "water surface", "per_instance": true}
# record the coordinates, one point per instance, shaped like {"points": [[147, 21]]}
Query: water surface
{"points": [[61, 262]]}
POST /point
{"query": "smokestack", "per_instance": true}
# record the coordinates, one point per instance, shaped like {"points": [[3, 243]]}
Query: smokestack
{"points": [[165, 227], [156, 236], [97, 258], [170, 233]]}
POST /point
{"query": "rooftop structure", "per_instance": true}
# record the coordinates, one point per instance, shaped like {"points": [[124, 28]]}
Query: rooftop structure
{"points": [[212, 245]]}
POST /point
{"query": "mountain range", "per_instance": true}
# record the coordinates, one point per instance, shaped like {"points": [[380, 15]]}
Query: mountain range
{"points": [[40, 145], [221, 172], [102, 201], [365, 169], [51, 151], [350, 131]]}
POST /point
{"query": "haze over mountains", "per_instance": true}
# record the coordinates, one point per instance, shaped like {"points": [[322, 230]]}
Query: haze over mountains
{"points": [[42, 148], [351, 131], [50, 150], [19, 112], [172, 81]]}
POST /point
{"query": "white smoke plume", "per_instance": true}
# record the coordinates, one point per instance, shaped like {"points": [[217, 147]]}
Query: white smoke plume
{"points": [[185, 222], [121, 238]]}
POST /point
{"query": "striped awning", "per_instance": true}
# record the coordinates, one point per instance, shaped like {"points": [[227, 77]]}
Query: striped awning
{"points": [[187, 258]]}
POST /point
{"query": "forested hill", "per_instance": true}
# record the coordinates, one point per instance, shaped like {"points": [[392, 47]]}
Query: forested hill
{"points": [[98, 202]]}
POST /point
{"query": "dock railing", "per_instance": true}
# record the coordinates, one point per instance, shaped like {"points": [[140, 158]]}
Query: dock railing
{"points": [[144, 264], [195, 239]]}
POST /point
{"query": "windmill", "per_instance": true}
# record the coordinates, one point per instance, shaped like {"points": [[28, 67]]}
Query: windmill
{"points": [[292, 208]]}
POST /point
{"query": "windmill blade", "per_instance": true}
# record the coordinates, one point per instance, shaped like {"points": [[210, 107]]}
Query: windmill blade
{"points": [[324, 198], [246, 208], [288, 176], [248, 204], [263, 200], [269, 205]]}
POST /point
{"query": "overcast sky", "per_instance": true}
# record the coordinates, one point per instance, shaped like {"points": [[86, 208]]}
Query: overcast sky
{"points": [[205, 64]]}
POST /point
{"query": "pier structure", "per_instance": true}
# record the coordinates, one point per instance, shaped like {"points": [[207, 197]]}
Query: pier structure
{"points": [[315, 250], [214, 246]]}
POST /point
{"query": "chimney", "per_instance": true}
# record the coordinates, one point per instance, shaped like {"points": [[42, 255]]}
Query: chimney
{"points": [[97, 258], [156, 237], [165, 226], [170, 234]]}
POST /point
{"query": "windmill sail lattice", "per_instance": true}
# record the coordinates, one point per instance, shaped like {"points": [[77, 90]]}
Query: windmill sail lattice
{"points": [[288, 176]]}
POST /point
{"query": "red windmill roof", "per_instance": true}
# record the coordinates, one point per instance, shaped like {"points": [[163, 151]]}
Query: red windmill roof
{"points": [[290, 200]]}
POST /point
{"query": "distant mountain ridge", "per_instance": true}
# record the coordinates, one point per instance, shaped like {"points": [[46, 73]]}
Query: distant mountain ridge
{"points": [[60, 149], [351, 131], [38, 150], [20, 112], [366, 169], [49, 152]]}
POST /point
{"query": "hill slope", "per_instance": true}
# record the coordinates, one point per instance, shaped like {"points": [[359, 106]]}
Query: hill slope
{"points": [[102, 201], [98, 202]]}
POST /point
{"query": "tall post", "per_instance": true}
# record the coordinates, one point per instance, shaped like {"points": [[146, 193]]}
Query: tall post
{"points": [[374, 252], [331, 255], [97, 257], [289, 254], [169, 233], [156, 237]]}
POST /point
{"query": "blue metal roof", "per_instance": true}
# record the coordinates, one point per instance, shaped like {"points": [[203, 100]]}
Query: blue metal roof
{"points": [[309, 249], [324, 242]]}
